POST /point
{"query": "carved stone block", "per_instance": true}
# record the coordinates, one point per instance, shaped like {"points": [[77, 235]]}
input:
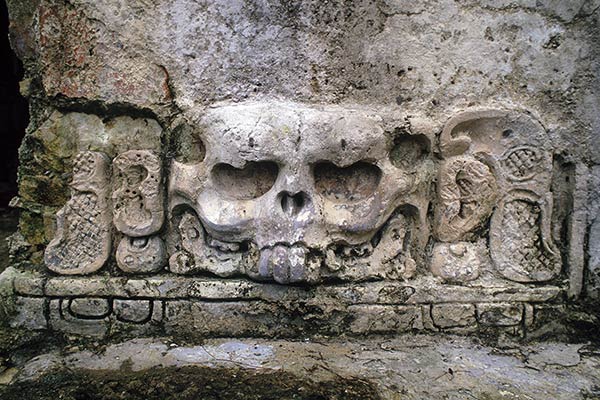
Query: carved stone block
{"points": [[453, 315], [30, 313], [348, 203], [137, 193], [141, 254], [89, 308], [373, 319], [520, 240], [83, 235], [206, 319], [134, 311], [458, 262], [63, 319], [466, 197], [499, 314], [503, 159]]}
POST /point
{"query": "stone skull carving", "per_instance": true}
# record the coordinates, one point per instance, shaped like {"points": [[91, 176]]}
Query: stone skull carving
{"points": [[295, 193]]}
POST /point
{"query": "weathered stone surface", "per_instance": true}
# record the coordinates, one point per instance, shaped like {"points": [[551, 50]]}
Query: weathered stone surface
{"points": [[453, 315], [61, 319], [241, 319], [520, 245], [407, 363], [424, 292], [29, 285], [136, 311], [593, 266], [7, 292], [46, 168], [385, 319], [141, 254], [89, 308], [466, 196], [31, 313], [137, 197], [458, 262], [82, 243], [338, 152], [499, 314], [296, 207]]}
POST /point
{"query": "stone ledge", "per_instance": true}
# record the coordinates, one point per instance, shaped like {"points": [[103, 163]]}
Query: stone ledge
{"points": [[420, 291]]}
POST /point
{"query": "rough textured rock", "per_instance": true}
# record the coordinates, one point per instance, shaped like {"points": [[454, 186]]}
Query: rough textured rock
{"points": [[411, 367]]}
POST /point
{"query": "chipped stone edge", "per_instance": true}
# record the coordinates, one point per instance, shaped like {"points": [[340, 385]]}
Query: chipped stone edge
{"points": [[163, 287]]}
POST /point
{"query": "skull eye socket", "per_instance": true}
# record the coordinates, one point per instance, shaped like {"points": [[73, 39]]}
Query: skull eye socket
{"points": [[250, 182], [353, 183], [409, 151]]}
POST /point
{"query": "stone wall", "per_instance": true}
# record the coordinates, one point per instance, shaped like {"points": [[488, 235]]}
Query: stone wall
{"points": [[275, 168]]}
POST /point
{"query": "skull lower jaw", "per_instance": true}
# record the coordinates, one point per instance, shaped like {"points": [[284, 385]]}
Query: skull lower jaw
{"points": [[286, 263], [383, 256]]}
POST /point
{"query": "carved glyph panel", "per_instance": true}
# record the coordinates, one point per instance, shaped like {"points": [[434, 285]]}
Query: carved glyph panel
{"points": [[137, 193], [513, 177], [295, 193], [83, 234]]}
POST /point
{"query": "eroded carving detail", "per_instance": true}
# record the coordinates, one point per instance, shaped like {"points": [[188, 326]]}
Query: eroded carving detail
{"points": [[137, 193], [458, 262], [141, 255], [515, 149], [466, 196], [520, 241], [522, 163], [197, 252], [295, 193], [138, 211], [321, 202], [83, 235]]}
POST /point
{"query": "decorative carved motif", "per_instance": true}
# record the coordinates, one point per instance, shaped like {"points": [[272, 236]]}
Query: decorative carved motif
{"points": [[137, 193], [466, 196], [457, 262], [515, 149], [520, 240], [522, 163], [83, 236], [138, 211], [349, 203], [141, 255], [198, 253], [294, 182]]}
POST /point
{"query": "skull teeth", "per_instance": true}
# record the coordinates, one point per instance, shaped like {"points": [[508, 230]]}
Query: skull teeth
{"points": [[285, 264], [227, 247]]}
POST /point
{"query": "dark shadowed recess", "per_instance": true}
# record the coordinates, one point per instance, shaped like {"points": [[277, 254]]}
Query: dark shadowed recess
{"points": [[14, 114], [187, 383]]}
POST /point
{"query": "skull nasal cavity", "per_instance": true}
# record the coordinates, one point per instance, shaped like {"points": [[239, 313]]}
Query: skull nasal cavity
{"points": [[292, 204]]}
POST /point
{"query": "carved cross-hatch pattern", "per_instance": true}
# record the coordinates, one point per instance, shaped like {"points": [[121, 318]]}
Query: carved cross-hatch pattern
{"points": [[84, 243], [521, 163], [522, 220]]}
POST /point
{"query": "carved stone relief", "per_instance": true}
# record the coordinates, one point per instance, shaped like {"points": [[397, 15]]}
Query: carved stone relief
{"points": [[520, 239], [83, 234], [510, 169], [138, 211], [467, 194], [316, 192], [294, 193], [459, 261], [137, 193]]}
